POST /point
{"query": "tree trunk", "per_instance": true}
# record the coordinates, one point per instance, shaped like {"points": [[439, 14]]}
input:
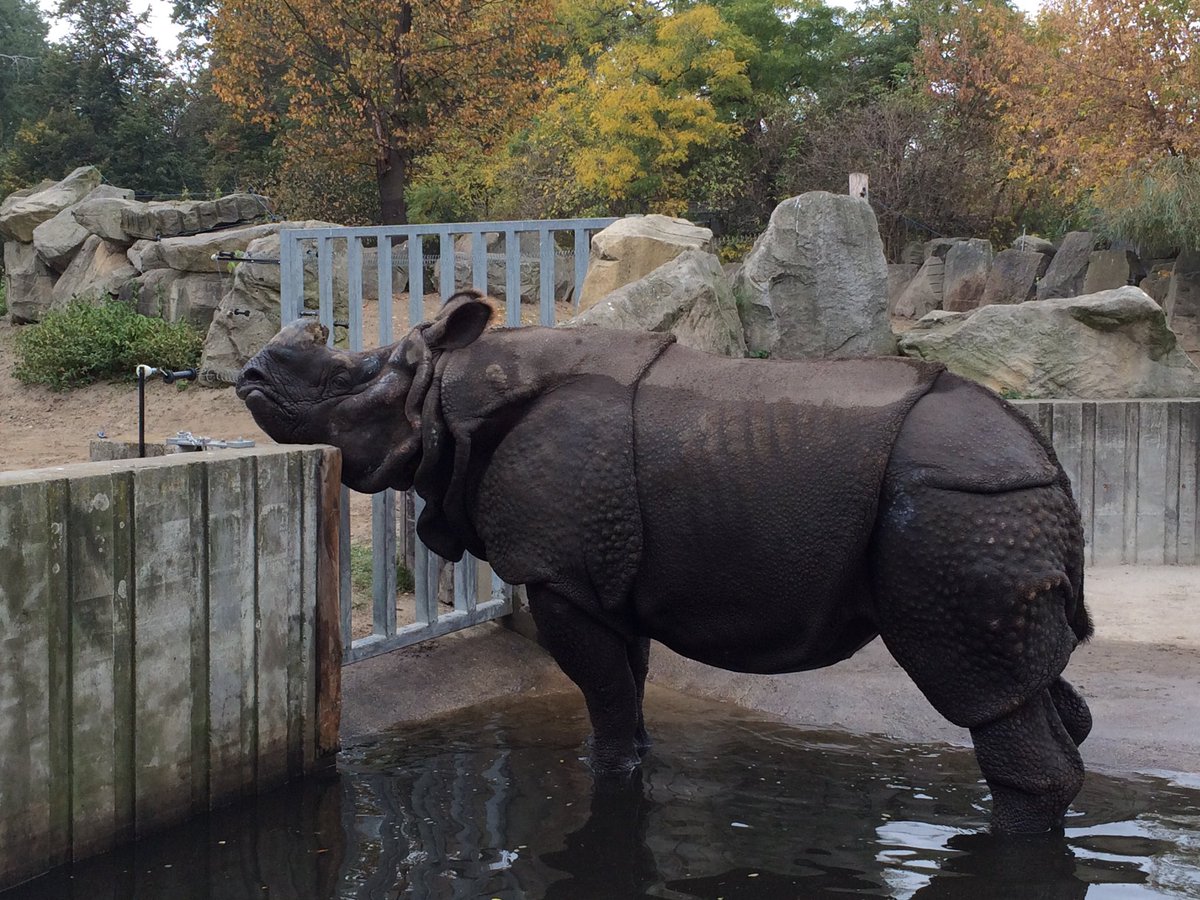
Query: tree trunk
{"points": [[392, 174]]}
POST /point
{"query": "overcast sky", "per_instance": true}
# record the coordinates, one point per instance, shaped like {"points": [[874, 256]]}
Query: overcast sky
{"points": [[164, 32]]}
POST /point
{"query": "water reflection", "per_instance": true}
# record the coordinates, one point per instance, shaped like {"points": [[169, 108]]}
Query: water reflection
{"points": [[497, 803]]}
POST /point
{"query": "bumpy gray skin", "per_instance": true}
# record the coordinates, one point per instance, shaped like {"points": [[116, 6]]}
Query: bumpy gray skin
{"points": [[755, 515]]}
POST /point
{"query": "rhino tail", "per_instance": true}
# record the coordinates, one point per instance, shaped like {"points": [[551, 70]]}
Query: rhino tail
{"points": [[1077, 612]]}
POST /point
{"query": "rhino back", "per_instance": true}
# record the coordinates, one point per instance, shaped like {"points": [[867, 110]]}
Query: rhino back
{"points": [[758, 483]]}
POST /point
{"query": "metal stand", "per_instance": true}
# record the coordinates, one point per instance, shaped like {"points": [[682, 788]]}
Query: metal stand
{"points": [[168, 377]]}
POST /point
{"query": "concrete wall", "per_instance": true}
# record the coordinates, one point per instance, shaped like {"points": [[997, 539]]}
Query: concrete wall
{"points": [[168, 642], [1135, 468]]}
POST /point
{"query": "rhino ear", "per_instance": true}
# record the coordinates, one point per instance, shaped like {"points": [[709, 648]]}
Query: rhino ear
{"points": [[460, 322]]}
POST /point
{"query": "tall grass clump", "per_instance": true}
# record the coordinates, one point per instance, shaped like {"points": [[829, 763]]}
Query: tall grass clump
{"points": [[83, 344], [1155, 205]]}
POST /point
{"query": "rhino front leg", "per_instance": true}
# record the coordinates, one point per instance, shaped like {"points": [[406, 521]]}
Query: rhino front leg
{"points": [[639, 663], [598, 660]]}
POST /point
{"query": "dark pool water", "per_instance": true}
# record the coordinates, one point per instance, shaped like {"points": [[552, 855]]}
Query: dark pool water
{"points": [[496, 803]]}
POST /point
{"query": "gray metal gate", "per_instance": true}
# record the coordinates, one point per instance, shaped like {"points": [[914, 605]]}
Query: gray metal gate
{"points": [[319, 252]]}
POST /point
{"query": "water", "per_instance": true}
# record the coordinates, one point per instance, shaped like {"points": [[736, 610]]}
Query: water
{"points": [[496, 803]]}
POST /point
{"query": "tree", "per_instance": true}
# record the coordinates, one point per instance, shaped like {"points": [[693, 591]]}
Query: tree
{"points": [[22, 46], [381, 78]]}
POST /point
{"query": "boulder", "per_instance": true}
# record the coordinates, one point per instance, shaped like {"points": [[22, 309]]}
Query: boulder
{"points": [[29, 283], [689, 297], [913, 253], [194, 253], [1157, 282], [815, 284], [23, 211], [967, 265], [190, 297], [59, 239], [1031, 243], [1182, 304], [100, 269], [635, 246], [1067, 271], [1110, 345], [155, 221], [102, 216], [939, 247], [924, 293], [1108, 269], [900, 275], [1013, 277]]}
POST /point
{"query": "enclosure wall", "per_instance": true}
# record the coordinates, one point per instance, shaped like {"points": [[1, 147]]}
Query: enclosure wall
{"points": [[1134, 467], [170, 642]]}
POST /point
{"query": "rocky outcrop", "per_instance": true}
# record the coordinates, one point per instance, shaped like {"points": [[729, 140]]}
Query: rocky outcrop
{"points": [[924, 293], [99, 270], [1109, 269], [689, 297], [29, 283], [815, 283], [967, 265], [1066, 273], [900, 276], [1014, 276], [102, 216], [1109, 345], [194, 253], [1031, 243], [635, 246], [1182, 304], [190, 297], [23, 211], [57, 240], [155, 221]]}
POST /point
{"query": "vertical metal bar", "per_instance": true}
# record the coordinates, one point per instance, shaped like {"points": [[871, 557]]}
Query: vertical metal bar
{"points": [[583, 245], [512, 279], [291, 279], [424, 570], [546, 254], [479, 261], [466, 584], [325, 283], [383, 260], [416, 281], [447, 263], [383, 563], [354, 290]]}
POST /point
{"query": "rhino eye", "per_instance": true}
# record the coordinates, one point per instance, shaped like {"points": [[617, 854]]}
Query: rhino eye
{"points": [[342, 380]]}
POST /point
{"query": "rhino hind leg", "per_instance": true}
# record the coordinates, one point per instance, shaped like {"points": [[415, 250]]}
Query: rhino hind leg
{"points": [[638, 651], [977, 597], [604, 666]]}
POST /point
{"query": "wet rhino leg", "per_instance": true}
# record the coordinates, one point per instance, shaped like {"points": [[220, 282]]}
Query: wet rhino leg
{"points": [[976, 597], [638, 650], [598, 660]]}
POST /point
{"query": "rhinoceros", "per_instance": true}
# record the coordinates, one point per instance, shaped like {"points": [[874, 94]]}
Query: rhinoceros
{"points": [[757, 515]]}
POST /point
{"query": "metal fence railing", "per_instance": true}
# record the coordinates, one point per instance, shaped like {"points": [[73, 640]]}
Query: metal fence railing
{"points": [[335, 258]]}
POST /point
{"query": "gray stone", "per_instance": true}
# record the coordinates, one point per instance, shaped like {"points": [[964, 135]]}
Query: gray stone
{"points": [[59, 239], [939, 247], [1182, 305], [900, 275], [635, 246], [23, 211], [1013, 277], [1031, 243], [689, 297], [1108, 269], [193, 253], [815, 284], [102, 216], [1157, 282], [913, 253], [155, 221], [99, 270], [1110, 345], [29, 283], [967, 265], [924, 293], [1068, 270], [190, 297]]}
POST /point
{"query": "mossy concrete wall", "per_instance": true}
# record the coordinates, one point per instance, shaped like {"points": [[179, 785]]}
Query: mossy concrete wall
{"points": [[1135, 468], [170, 642]]}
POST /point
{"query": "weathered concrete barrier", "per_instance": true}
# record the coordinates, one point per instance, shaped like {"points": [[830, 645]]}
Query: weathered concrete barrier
{"points": [[169, 642], [1135, 468]]}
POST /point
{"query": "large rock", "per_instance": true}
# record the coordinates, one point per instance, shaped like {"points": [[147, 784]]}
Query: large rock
{"points": [[635, 246], [194, 253], [59, 239], [101, 216], [1110, 345], [1108, 269], [155, 221], [967, 265], [190, 297], [29, 283], [1013, 277], [1031, 243], [689, 297], [815, 284], [25, 210], [1157, 282], [924, 293], [99, 270], [1182, 305], [939, 247], [900, 276], [1068, 270]]}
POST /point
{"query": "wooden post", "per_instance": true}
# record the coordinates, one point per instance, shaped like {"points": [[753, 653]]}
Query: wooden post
{"points": [[859, 185]]}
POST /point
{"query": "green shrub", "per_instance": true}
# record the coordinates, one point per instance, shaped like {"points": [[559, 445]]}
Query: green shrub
{"points": [[84, 343], [362, 574], [3, 296]]}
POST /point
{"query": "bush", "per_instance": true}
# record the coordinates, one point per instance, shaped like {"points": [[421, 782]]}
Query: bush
{"points": [[3, 296], [362, 575], [84, 343]]}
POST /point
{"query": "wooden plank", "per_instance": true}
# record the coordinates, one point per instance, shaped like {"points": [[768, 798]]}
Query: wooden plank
{"points": [[328, 613], [1108, 540], [29, 553], [1188, 546], [305, 688], [231, 686], [278, 540], [1150, 533], [296, 664], [1068, 441], [101, 590], [171, 680]]}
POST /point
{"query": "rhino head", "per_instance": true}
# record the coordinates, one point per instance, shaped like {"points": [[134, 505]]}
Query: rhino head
{"points": [[367, 404]]}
